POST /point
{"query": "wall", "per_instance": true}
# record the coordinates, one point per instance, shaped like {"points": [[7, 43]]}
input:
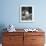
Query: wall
{"points": [[10, 13]]}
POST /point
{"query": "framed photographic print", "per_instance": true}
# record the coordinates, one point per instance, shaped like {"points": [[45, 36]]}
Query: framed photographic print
{"points": [[26, 13]]}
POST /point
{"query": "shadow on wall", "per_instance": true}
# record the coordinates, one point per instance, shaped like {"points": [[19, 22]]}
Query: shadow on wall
{"points": [[2, 26]]}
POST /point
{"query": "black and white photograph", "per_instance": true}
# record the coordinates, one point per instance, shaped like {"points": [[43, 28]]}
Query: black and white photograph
{"points": [[26, 13]]}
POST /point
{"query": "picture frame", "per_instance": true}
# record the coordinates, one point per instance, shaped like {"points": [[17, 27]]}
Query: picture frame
{"points": [[27, 13]]}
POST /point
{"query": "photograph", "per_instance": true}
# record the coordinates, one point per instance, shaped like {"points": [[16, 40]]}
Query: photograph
{"points": [[26, 13]]}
